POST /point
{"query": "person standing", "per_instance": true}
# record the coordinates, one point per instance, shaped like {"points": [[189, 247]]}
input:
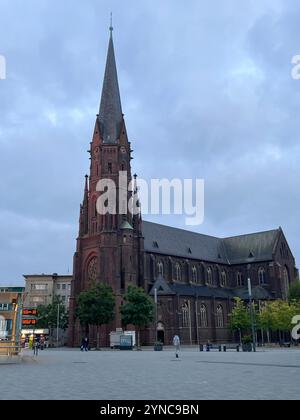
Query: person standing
{"points": [[176, 344]]}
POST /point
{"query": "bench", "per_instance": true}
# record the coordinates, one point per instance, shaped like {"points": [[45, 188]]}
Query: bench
{"points": [[213, 347], [286, 344], [231, 347]]}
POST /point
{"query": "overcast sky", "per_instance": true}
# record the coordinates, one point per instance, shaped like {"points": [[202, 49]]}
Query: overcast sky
{"points": [[207, 93]]}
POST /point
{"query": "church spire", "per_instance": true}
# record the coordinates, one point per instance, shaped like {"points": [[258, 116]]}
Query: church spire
{"points": [[110, 114]]}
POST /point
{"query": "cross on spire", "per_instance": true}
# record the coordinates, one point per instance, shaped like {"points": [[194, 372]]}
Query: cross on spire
{"points": [[111, 28]]}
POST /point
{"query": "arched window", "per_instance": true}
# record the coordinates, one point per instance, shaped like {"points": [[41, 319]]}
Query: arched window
{"points": [[286, 283], [95, 211], [220, 317], [239, 279], [203, 316], [178, 272], [262, 276], [185, 315], [194, 275], [209, 276], [223, 278], [160, 269]]}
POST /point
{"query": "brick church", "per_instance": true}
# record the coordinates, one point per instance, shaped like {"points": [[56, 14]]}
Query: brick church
{"points": [[196, 276]]}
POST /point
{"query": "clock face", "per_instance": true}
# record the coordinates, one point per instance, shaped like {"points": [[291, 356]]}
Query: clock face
{"points": [[123, 150]]}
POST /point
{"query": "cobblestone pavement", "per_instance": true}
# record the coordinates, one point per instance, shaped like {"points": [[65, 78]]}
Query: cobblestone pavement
{"points": [[70, 374]]}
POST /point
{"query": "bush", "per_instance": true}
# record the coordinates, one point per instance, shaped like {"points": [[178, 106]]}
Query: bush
{"points": [[247, 339]]}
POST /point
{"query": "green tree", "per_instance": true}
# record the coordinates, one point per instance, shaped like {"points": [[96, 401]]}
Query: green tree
{"points": [[282, 314], [138, 309], [48, 315], [294, 292], [265, 320], [239, 318], [96, 307]]}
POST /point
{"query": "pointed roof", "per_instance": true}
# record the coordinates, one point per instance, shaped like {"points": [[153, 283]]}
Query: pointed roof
{"points": [[166, 240], [110, 114]]}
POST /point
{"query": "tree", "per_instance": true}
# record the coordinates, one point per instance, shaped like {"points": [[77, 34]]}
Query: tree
{"points": [[265, 320], [282, 315], [96, 307], [138, 309], [48, 316], [294, 292], [239, 319]]}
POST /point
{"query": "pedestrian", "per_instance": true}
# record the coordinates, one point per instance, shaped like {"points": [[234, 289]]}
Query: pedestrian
{"points": [[85, 344], [208, 346], [36, 348], [176, 344]]}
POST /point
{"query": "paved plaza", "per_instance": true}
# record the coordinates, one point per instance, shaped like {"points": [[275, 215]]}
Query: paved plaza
{"points": [[115, 375]]}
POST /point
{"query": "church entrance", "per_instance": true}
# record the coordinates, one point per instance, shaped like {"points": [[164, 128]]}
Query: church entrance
{"points": [[161, 336], [161, 332]]}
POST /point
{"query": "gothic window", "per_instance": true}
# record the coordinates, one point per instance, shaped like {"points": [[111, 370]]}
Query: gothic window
{"points": [[110, 168], [286, 283], [160, 269], [185, 315], [203, 316], [178, 272], [92, 270], [262, 276], [209, 276], [220, 317], [239, 279], [223, 278], [194, 275]]}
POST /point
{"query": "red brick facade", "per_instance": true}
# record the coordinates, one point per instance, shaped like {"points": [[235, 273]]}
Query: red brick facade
{"points": [[111, 249]]}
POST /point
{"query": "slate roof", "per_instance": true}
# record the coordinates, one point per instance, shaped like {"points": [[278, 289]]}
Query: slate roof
{"points": [[110, 114], [260, 245], [242, 249], [258, 293], [182, 243]]}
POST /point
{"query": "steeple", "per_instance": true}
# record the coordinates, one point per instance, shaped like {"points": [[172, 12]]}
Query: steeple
{"points": [[110, 114]]}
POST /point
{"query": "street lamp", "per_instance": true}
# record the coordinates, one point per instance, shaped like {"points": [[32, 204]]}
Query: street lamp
{"points": [[57, 324], [252, 315], [156, 313]]}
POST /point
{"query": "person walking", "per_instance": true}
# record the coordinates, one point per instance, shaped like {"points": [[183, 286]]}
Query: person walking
{"points": [[85, 344], [176, 344], [36, 348]]}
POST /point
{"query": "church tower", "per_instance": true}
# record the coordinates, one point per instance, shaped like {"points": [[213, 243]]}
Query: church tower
{"points": [[109, 245]]}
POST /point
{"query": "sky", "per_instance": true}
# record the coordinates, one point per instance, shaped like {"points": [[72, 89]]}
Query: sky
{"points": [[206, 91]]}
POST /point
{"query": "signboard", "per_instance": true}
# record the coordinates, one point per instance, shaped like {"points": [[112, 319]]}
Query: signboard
{"points": [[26, 332], [29, 322], [125, 342], [30, 312]]}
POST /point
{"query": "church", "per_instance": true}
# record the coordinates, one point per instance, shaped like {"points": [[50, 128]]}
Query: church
{"points": [[196, 276]]}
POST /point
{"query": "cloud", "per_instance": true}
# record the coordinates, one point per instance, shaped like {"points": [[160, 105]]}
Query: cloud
{"points": [[207, 86]]}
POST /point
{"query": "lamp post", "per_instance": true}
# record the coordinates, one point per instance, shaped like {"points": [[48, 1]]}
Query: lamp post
{"points": [[156, 313], [57, 324], [252, 315]]}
